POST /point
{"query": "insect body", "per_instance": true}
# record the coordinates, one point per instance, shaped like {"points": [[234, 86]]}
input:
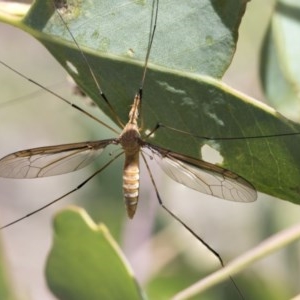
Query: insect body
{"points": [[196, 174], [60, 159], [131, 143]]}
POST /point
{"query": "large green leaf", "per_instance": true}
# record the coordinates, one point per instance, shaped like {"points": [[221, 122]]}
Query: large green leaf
{"points": [[85, 261], [280, 63], [187, 101]]}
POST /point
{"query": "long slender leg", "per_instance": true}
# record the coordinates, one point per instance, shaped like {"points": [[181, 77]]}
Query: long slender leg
{"points": [[216, 254], [64, 195]]}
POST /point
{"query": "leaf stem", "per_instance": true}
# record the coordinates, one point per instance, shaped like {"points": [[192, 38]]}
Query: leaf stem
{"points": [[265, 248]]}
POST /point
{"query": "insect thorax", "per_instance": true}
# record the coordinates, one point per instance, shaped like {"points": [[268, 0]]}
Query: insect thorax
{"points": [[130, 139]]}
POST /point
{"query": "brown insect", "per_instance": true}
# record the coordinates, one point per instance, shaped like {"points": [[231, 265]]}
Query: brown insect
{"points": [[192, 172]]}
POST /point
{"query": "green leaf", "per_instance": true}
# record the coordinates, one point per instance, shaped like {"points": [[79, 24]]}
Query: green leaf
{"points": [[86, 263], [206, 31], [280, 67], [196, 104], [6, 291]]}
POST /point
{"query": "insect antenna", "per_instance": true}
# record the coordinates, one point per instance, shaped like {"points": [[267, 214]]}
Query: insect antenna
{"points": [[201, 240], [64, 195]]}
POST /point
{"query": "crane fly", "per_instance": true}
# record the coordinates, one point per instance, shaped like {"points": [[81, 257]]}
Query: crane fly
{"points": [[194, 173]]}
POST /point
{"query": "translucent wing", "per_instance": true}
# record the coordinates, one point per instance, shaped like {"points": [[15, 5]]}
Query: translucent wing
{"points": [[52, 160], [203, 176]]}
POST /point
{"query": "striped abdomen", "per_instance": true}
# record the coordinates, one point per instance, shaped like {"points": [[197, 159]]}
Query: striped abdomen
{"points": [[131, 143], [131, 182]]}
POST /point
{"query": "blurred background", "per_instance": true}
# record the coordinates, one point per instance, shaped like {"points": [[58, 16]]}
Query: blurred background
{"points": [[164, 256]]}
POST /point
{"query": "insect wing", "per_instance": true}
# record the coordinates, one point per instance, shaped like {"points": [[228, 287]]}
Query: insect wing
{"points": [[52, 160], [204, 177]]}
